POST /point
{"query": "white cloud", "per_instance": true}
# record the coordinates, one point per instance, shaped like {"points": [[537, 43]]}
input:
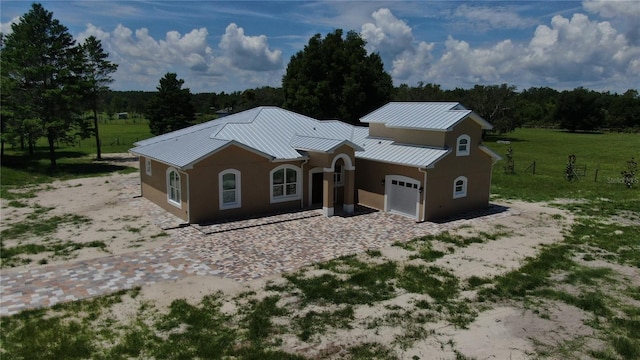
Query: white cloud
{"points": [[624, 14], [249, 52], [567, 52], [239, 60], [495, 17], [5, 28], [613, 8], [93, 30], [393, 39], [388, 35]]}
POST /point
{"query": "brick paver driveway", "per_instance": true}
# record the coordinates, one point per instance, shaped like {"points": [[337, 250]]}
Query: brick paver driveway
{"points": [[241, 251]]}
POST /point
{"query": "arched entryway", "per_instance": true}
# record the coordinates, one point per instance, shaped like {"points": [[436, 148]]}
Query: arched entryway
{"points": [[333, 186]]}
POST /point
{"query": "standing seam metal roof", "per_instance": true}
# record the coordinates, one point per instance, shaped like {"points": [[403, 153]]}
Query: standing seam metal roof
{"points": [[280, 134], [439, 116]]}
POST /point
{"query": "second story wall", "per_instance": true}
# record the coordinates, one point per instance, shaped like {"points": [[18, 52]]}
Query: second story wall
{"points": [[408, 136]]}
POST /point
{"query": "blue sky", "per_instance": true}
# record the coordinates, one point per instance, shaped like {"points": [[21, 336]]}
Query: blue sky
{"points": [[234, 45]]}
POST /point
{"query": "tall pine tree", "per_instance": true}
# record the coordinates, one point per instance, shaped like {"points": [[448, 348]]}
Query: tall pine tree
{"points": [[97, 75], [171, 109], [44, 66]]}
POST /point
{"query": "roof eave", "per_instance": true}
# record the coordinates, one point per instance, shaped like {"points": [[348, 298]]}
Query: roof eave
{"points": [[490, 152]]}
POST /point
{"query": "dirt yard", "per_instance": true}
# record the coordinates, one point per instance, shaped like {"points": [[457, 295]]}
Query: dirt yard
{"points": [[108, 220]]}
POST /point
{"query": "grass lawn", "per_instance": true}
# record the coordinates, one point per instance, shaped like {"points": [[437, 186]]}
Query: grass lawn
{"points": [[581, 271], [74, 160], [606, 153]]}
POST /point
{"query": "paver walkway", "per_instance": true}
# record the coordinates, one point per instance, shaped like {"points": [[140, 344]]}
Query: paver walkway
{"points": [[242, 251]]}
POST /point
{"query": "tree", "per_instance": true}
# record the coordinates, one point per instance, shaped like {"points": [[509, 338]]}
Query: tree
{"points": [[171, 108], [579, 109], [335, 78], [495, 104], [41, 60], [97, 75]]}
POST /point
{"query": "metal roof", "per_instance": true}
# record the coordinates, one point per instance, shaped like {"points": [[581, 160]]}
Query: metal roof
{"points": [[388, 151], [440, 116], [310, 143], [279, 134], [265, 130]]}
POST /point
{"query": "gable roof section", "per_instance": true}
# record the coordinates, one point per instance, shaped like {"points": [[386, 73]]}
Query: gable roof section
{"points": [[268, 131], [310, 143], [437, 116], [388, 151]]}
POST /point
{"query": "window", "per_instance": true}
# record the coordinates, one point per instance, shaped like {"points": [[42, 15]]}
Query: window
{"points": [[463, 145], [285, 184], [338, 176], [173, 187], [147, 164], [229, 185], [460, 187]]}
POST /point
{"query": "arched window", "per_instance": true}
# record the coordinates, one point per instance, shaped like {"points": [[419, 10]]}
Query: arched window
{"points": [[463, 145], [285, 183], [459, 187], [173, 187], [229, 189]]}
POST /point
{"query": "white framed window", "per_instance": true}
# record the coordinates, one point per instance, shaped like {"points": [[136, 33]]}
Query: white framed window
{"points": [[147, 166], [229, 185], [285, 183], [459, 187], [174, 187], [463, 145], [338, 175]]}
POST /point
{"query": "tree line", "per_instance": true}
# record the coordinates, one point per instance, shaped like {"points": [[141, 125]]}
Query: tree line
{"points": [[50, 82], [579, 109]]}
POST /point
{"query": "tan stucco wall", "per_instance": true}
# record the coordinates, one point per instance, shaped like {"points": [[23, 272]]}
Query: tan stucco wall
{"points": [[254, 180], [202, 183], [439, 187], [154, 188], [468, 127], [408, 136], [476, 167]]}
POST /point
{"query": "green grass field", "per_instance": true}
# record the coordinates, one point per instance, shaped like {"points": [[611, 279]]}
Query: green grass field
{"points": [[604, 231], [606, 153], [74, 160]]}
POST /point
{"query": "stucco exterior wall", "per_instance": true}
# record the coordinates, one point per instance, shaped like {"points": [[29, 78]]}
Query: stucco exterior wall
{"points": [[476, 167], [254, 185], [154, 188], [408, 136]]}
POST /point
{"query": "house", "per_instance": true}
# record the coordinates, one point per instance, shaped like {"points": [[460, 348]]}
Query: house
{"points": [[421, 160]]}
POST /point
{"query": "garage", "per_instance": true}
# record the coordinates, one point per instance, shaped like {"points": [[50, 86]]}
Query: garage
{"points": [[403, 195]]}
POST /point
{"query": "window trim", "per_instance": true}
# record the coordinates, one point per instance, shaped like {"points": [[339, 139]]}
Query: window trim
{"points": [[237, 189], [171, 201], [147, 165], [463, 192], [283, 198], [467, 150]]}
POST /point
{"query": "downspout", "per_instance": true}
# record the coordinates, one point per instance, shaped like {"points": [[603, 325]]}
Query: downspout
{"points": [[424, 194], [188, 198], [495, 161], [303, 177]]}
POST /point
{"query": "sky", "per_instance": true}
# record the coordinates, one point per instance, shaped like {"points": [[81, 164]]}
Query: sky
{"points": [[231, 46]]}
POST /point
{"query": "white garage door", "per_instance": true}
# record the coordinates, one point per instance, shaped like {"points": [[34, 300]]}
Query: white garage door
{"points": [[403, 196]]}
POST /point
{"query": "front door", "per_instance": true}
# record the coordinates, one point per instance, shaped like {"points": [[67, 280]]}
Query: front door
{"points": [[316, 188]]}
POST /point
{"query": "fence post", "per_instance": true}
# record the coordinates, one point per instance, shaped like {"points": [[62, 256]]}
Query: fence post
{"points": [[534, 167], [595, 178]]}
